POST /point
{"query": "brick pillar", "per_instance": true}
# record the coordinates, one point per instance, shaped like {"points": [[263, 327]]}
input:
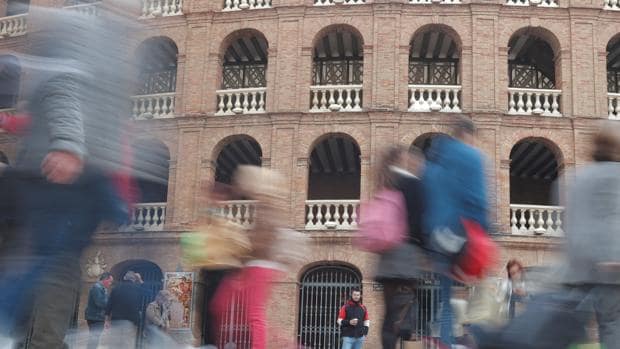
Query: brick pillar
{"points": [[503, 189], [583, 61], [300, 194]]}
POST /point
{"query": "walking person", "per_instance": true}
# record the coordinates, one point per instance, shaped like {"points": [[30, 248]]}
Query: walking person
{"points": [[592, 220], [455, 191], [95, 310], [124, 311], [353, 321], [400, 267]]}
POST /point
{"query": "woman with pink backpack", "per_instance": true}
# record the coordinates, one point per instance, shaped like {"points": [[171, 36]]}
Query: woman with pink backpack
{"points": [[391, 226]]}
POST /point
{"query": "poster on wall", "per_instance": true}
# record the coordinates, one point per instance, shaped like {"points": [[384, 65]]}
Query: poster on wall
{"points": [[181, 286]]}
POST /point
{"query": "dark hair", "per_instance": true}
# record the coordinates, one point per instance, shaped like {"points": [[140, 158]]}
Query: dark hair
{"points": [[386, 178], [462, 125], [104, 275], [607, 143], [511, 263], [356, 289]]}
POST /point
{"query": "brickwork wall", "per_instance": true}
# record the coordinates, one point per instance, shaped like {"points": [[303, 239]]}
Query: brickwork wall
{"points": [[287, 133]]}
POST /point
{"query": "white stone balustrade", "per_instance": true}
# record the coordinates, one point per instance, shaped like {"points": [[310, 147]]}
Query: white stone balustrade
{"points": [[147, 217], [325, 98], [539, 3], [239, 211], [537, 220], [427, 2], [332, 214], [525, 101], [91, 9], [338, 2], [236, 5], [155, 106], [161, 8], [443, 98], [613, 100], [241, 101], [13, 25], [611, 5]]}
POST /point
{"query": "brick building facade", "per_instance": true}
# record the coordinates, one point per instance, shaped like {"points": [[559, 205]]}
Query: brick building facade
{"points": [[314, 89]]}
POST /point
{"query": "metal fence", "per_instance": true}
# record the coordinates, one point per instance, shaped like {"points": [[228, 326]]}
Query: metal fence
{"points": [[323, 291]]}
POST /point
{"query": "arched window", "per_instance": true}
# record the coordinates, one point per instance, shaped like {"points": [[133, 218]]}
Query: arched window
{"points": [[613, 77], [333, 183], [244, 75], [323, 290], [10, 72], [532, 74], [241, 150], [157, 59], [434, 56], [337, 72], [534, 168]]}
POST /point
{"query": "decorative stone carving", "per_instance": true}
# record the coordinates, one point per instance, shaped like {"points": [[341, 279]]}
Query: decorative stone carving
{"points": [[96, 265]]}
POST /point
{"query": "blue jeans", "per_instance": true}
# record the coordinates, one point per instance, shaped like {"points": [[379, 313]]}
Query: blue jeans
{"points": [[353, 343], [445, 318]]}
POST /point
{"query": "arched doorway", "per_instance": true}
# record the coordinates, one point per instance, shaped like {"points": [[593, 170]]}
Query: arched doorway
{"points": [[334, 177], [434, 71], [613, 77], [337, 71], [534, 168], [323, 290]]}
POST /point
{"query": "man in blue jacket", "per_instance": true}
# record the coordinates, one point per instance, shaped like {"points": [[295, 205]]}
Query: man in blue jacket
{"points": [[455, 189], [95, 310]]}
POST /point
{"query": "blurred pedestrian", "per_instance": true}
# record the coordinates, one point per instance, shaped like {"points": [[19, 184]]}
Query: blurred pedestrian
{"points": [[353, 321], [95, 310], [511, 290], [399, 268], [592, 220], [157, 316], [124, 311], [455, 192], [76, 95]]}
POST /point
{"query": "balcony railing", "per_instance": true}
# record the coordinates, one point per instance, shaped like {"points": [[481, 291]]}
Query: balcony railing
{"points": [[426, 98], [613, 5], [91, 9], [13, 25], [155, 106], [613, 108], [326, 98], [241, 101], [332, 214], [537, 220], [147, 217], [161, 8], [426, 2], [524, 101], [236, 5], [539, 3], [239, 211], [338, 2]]}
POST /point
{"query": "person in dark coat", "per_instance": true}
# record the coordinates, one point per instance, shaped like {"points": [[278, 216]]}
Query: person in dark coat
{"points": [[95, 310], [400, 267], [124, 311]]}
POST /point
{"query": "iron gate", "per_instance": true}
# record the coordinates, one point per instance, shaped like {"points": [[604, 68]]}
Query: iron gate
{"points": [[234, 332], [323, 291]]}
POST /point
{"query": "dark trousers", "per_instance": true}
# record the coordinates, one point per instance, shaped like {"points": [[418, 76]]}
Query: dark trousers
{"points": [[40, 271], [94, 333], [398, 297], [606, 300]]}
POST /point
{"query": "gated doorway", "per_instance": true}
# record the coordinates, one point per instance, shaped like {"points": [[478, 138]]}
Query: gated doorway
{"points": [[324, 289]]}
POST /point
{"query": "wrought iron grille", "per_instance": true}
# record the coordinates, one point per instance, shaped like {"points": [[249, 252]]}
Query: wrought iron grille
{"points": [[244, 76], [613, 81], [424, 72], [338, 72], [529, 76], [160, 81], [234, 331], [323, 291]]}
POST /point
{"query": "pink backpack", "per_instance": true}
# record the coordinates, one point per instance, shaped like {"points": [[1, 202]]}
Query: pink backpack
{"points": [[383, 222]]}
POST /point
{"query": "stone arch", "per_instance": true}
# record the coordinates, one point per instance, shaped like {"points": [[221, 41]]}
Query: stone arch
{"points": [[232, 151], [534, 47], [158, 58]]}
